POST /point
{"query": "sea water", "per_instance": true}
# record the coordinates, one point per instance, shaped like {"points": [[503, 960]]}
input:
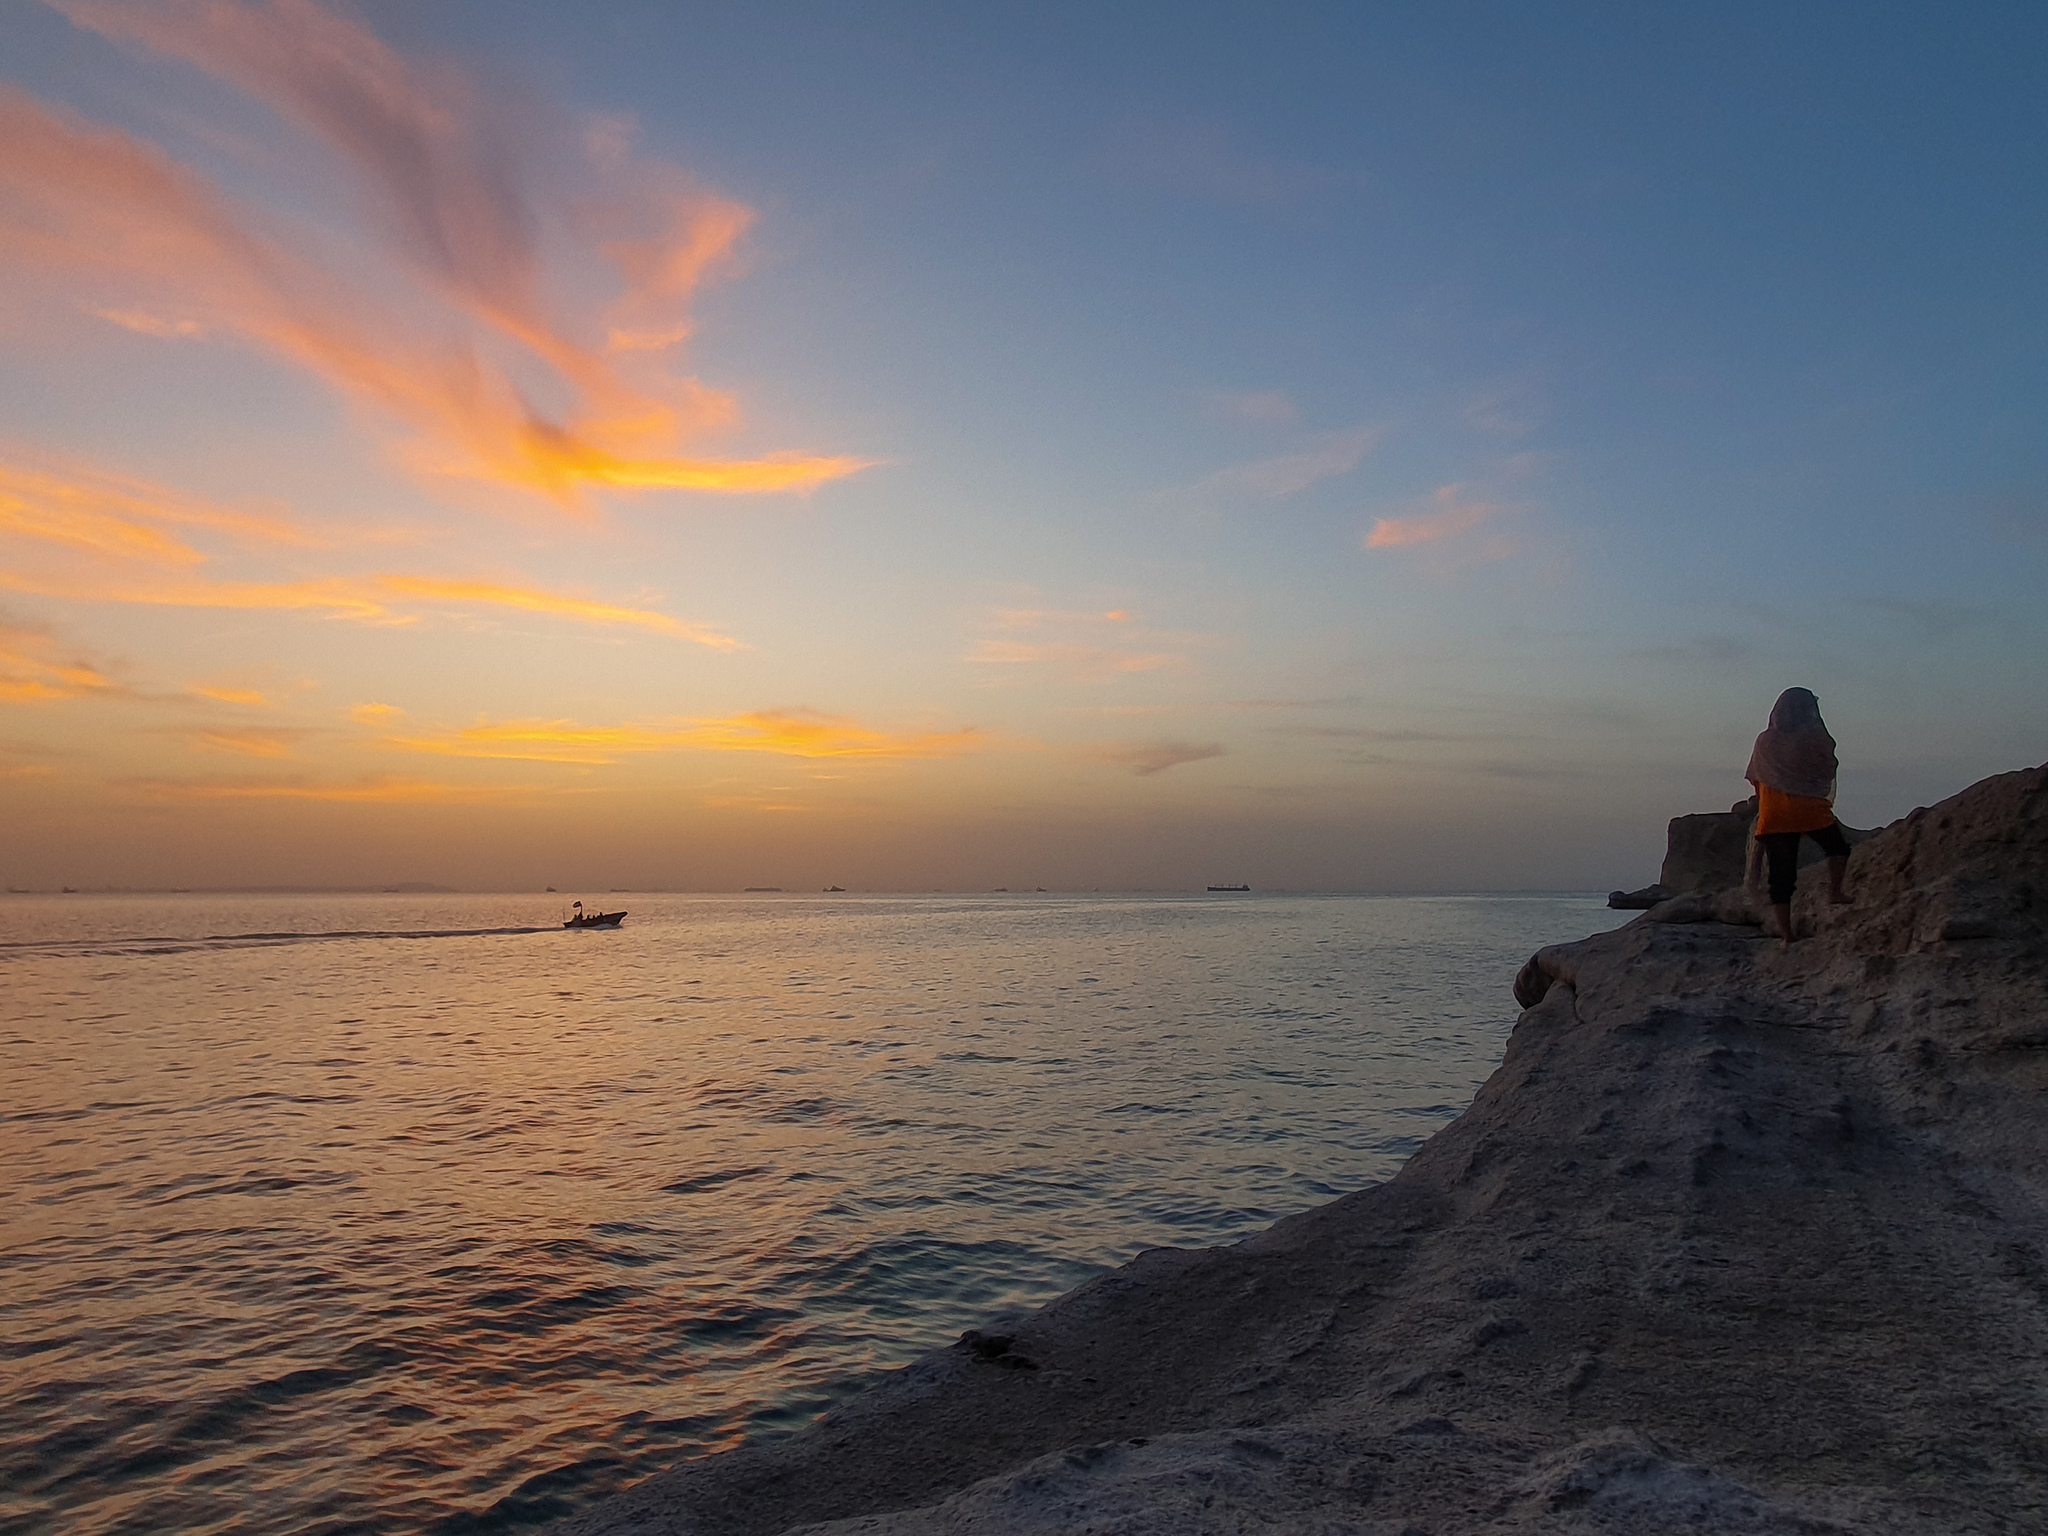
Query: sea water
{"points": [[421, 1214]]}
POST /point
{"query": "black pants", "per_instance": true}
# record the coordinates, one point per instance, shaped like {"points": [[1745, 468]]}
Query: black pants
{"points": [[1782, 849]]}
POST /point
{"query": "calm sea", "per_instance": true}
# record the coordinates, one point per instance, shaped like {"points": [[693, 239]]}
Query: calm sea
{"points": [[420, 1214]]}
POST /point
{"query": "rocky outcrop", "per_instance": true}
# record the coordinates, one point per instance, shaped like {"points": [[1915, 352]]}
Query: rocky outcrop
{"points": [[1706, 851], [1639, 901], [1709, 851], [1737, 1239]]}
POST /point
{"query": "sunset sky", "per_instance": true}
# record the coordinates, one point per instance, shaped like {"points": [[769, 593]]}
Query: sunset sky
{"points": [[1346, 446]]}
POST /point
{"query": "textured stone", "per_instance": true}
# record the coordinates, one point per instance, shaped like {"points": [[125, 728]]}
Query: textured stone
{"points": [[1639, 901], [1736, 1240]]}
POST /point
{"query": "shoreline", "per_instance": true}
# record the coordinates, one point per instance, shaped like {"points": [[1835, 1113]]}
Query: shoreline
{"points": [[1732, 1240]]}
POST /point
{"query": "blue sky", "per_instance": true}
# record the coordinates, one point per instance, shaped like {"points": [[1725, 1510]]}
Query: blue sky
{"points": [[1355, 446]]}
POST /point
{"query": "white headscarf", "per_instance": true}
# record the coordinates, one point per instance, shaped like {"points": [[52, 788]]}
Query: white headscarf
{"points": [[1795, 753]]}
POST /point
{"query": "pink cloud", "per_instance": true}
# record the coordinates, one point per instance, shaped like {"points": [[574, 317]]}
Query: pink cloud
{"points": [[468, 216], [1324, 458], [1450, 514]]}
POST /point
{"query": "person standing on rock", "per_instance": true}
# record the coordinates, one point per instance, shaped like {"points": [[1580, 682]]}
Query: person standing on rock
{"points": [[1793, 767]]}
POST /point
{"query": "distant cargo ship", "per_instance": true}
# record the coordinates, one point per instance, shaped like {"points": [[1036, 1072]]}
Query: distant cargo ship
{"points": [[1229, 887]]}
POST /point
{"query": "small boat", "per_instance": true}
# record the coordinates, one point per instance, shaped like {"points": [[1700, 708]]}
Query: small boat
{"points": [[582, 919]]}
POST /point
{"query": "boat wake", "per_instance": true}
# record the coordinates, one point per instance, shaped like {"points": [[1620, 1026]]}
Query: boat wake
{"points": [[191, 943]]}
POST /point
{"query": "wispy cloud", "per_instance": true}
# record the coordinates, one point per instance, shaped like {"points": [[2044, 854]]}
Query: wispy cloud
{"points": [[371, 599], [457, 594], [1449, 511], [103, 514], [1271, 479], [1082, 644], [797, 732], [226, 694], [146, 324], [110, 534], [545, 741], [810, 733], [35, 668], [248, 741], [1145, 758], [381, 790], [467, 211]]}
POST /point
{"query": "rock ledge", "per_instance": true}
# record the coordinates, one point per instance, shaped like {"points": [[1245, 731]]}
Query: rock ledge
{"points": [[1735, 1240]]}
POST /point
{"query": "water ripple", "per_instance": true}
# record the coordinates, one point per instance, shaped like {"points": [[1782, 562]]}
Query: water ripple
{"points": [[396, 1214]]}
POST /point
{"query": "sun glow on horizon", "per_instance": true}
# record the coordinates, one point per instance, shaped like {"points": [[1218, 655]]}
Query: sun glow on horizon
{"points": [[447, 439]]}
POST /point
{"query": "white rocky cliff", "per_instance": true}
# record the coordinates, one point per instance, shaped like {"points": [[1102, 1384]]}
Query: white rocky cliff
{"points": [[1737, 1239]]}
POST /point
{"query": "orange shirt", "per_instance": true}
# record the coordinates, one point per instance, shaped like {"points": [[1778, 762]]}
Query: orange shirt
{"points": [[1777, 811]]}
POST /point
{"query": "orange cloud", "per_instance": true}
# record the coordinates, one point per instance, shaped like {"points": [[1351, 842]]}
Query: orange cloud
{"points": [[251, 742], [371, 599], [554, 604], [786, 732], [374, 714], [112, 521], [145, 324], [384, 790], [34, 670], [808, 733], [463, 216], [1450, 514], [112, 516], [545, 741], [231, 695]]}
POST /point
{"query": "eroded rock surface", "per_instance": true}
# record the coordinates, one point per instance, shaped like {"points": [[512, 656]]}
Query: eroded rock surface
{"points": [[1639, 900], [1708, 851], [1737, 1239], [1705, 851]]}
